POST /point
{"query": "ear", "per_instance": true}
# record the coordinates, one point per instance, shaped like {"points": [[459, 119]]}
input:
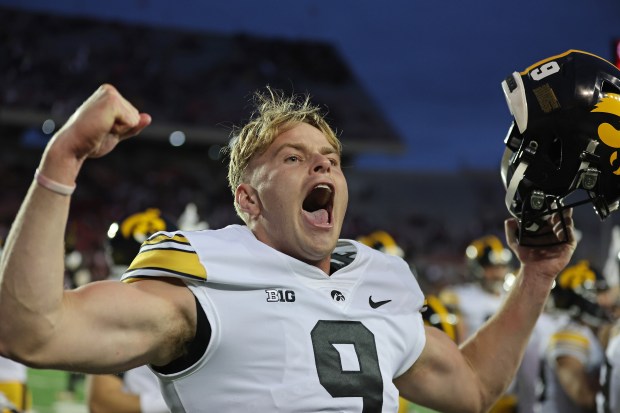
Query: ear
{"points": [[247, 200]]}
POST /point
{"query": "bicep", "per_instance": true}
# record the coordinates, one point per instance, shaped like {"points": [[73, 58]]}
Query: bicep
{"points": [[440, 378], [110, 326]]}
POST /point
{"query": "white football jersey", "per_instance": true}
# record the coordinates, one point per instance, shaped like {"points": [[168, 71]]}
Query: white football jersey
{"points": [[476, 305], [609, 400], [13, 385], [143, 382], [12, 371], [286, 337], [574, 340]]}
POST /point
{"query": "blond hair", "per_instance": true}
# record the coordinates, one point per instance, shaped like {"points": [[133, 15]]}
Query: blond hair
{"points": [[274, 113]]}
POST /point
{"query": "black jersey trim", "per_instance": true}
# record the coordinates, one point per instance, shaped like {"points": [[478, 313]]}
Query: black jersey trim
{"points": [[163, 270], [195, 348]]}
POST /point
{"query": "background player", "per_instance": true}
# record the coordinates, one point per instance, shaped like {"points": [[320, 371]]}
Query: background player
{"points": [[136, 390]]}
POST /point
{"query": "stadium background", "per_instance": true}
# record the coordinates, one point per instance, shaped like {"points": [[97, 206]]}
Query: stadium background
{"points": [[413, 88]]}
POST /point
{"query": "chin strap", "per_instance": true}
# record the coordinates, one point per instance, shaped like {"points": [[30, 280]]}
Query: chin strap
{"points": [[512, 187], [586, 157]]}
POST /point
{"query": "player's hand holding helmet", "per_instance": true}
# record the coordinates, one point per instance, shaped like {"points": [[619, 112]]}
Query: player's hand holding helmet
{"points": [[562, 146]]}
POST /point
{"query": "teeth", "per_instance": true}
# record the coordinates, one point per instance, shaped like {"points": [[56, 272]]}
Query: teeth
{"points": [[323, 186]]}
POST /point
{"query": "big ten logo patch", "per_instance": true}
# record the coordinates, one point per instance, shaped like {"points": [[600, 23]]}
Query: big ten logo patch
{"points": [[280, 296]]}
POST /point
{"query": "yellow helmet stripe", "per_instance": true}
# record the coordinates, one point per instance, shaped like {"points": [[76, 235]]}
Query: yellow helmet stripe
{"points": [[576, 275], [537, 64], [443, 314]]}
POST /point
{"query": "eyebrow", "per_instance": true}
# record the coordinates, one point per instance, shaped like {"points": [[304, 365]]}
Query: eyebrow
{"points": [[325, 150]]}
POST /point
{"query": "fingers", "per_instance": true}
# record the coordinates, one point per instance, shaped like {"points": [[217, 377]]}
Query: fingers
{"points": [[116, 115], [511, 228], [126, 128], [128, 121], [563, 226], [558, 228], [103, 120]]}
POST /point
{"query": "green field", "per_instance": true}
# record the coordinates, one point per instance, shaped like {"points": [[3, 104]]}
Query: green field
{"points": [[56, 392]]}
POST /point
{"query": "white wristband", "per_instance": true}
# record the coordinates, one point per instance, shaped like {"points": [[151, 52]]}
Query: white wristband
{"points": [[52, 185]]}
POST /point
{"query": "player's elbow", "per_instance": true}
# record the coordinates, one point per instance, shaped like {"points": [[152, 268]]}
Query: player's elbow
{"points": [[24, 345], [19, 352], [9, 344], [9, 350]]}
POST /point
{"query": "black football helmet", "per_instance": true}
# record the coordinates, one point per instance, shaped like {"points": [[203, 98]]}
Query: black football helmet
{"points": [[487, 251], [576, 292], [127, 235], [436, 314], [382, 241], [489, 261], [562, 146]]}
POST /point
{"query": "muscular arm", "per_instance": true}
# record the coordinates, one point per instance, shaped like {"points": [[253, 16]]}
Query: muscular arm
{"points": [[478, 372], [470, 378], [102, 327]]}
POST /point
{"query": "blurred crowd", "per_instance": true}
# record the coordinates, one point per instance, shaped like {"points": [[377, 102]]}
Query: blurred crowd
{"points": [[50, 63]]}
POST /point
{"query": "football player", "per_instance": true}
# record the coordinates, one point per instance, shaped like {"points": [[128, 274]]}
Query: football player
{"points": [[277, 314], [573, 355]]}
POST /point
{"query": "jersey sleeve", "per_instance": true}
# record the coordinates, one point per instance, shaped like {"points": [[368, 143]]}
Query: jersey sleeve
{"points": [[568, 342], [166, 254], [415, 331], [416, 347]]}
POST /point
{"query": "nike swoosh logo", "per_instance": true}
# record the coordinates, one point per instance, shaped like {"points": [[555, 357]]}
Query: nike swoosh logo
{"points": [[377, 304]]}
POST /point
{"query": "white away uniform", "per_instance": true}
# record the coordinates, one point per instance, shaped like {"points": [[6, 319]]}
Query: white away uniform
{"points": [[286, 337], [13, 389], [476, 305], [143, 382], [574, 340], [609, 400]]}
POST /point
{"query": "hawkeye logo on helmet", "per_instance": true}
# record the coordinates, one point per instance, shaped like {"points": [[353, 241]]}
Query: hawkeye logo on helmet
{"points": [[141, 224], [607, 133], [575, 276]]}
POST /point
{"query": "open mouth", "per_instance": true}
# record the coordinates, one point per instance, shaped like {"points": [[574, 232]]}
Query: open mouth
{"points": [[318, 205]]}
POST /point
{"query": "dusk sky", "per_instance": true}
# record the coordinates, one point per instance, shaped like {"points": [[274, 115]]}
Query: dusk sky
{"points": [[433, 68]]}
